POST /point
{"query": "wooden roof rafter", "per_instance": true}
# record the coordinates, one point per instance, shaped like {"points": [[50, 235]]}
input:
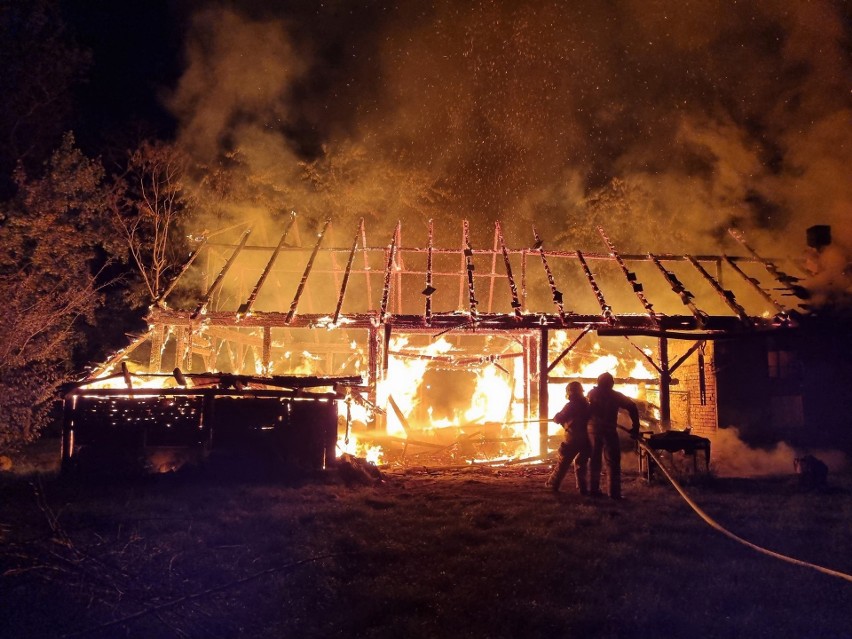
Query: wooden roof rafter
{"points": [[202, 305], [467, 252], [780, 310], [513, 289], [555, 292], [347, 272], [727, 295], [680, 290], [632, 280], [429, 290], [391, 254], [302, 283], [786, 280], [606, 309], [246, 307], [470, 314]]}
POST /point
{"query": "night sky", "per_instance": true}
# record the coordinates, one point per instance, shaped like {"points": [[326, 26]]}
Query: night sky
{"points": [[693, 116]]}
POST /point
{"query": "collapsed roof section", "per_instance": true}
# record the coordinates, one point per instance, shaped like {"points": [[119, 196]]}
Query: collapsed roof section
{"points": [[319, 280]]}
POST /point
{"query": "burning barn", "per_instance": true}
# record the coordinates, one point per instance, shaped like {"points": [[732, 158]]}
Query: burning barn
{"points": [[318, 343]]}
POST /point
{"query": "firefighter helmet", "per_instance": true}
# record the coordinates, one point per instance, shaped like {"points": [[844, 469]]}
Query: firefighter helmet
{"points": [[605, 380]]}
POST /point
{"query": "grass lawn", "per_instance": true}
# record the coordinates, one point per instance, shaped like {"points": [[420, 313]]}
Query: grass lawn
{"points": [[468, 553]]}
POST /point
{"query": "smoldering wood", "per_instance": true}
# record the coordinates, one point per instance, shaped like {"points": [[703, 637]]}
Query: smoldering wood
{"points": [[429, 290], [346, 274], [391, 253], [219, 278], [513, 289], [467, 252], [119, 430], [726, 295], [645, 355], [680, 290], [786, 280], [246, 308], [606, 309], [631, 278], [303, 282], [556, 293], [782, 312]]}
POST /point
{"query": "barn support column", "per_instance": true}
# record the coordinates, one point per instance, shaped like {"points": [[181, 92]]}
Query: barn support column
{"points": [[542, 393], [386, 335], [373, 362], [525, 343], [665, 385], [181, 348], [266, 355], [158, 337]]}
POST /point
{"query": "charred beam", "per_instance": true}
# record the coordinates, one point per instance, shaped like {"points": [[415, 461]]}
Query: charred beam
{"points": [[606, 309], [665, 384], [388, 271], [245, 308], [788, 281], [632, 280], [556, 293], [782, 312], [685, 356], [119, 355], [513, 289], [346, 273], [366, 267], [202, 306], [727, 296], [469, 267], [493, 273], [429, 290], [644, 354], [295, 303], [543, 408], [680, 290]]}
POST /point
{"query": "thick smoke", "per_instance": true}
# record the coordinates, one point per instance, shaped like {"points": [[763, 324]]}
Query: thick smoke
{"points": [[731, 457], [664, 121]]}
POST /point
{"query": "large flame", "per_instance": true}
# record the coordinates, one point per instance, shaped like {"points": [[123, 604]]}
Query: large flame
{"points": [[496, 401], [493, 417]]}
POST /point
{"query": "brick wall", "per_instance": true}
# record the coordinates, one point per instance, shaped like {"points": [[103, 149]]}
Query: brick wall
{"points": [[687, 409]]}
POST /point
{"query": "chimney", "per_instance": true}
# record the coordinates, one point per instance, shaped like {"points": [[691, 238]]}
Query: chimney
{"points": [[819, 236]]}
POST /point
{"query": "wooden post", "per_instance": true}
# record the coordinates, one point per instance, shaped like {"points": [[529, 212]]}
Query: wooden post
{"points": [[180, 348], [385, 349], [373, 362], [156, 357], [542, 393], [266, 366], [525, 341], [665, 385]]}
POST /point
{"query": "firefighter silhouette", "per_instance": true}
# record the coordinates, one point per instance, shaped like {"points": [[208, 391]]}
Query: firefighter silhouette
{"points": [[574, 418], [604, 404]]}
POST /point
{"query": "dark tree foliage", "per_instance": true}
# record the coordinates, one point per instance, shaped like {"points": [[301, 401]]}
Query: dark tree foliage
{"points": [[41, 63], [51, 233]]}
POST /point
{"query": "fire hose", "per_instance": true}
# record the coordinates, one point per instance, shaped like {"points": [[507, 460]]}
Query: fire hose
{"points": [[717, 526]]}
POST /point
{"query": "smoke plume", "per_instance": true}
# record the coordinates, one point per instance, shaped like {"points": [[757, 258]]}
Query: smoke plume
{"points": [[732, 457], [665, 121]]}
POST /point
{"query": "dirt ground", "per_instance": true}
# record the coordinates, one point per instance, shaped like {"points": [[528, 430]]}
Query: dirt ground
{"points": [[477, 552]]}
